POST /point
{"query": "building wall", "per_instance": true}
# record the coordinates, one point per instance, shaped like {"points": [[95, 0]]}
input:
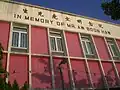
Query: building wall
{"points": [[86, 72], [101, 47], [39, 33], [41, 75], [38, 64], [18, 69], [4, 35]]}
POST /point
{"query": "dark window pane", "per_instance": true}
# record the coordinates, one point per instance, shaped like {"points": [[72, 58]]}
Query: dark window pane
{"points": [[15, 39], [59, 44], [23, 40], [89, 45], [52, 42], [85, 48], [114, 50]]}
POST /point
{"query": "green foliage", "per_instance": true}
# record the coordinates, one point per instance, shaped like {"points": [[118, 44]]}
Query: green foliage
{"points": [[1, 83], [8, 86], [112, 9], [15, 85], [4, 74], [1, 52], [25, 86], [1, 57]]}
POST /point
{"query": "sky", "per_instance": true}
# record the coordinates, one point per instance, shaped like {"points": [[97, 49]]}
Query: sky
{"points": [[90, 8]]}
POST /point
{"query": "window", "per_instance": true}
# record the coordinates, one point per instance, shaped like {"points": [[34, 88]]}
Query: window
{"points": [[56, 41], [113, 48], [19, 38], [88, 46]]}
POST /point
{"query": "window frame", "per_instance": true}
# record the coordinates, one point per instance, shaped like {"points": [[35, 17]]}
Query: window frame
{"points": [[111, 42], [22, 30], [85, 39], [59, 36]]}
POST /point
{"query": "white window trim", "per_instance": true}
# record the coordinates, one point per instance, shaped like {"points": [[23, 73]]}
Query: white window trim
{"points": [[56, 44], [20, 32], [111, 50], [55, 32], [18, 47], [86, 40], [55, 36]]}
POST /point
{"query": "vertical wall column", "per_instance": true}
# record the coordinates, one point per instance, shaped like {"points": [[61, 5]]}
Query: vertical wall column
{"points": [[117, 74], [100, 63], [113, 62], [86, 63], [30, 67], [69, 64], [51, 62], [115, 65], [9, 49]]}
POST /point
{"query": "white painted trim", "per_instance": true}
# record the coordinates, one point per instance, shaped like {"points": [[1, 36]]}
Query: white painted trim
{"points": [[117, 45], [108, 48], [5, 51], [51, 60], [30, 59], [100, 63], [86, 62], [19, 53], [56, 42], [9, 49], [117, 74], [86, 41], [19, 38], [19, 47], [69, 63], [56, 32], [34, 54], [115, 69], [55, 36]]}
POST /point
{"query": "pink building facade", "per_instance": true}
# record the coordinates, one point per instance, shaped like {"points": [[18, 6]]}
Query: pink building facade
{"points": [[36, 40]]}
